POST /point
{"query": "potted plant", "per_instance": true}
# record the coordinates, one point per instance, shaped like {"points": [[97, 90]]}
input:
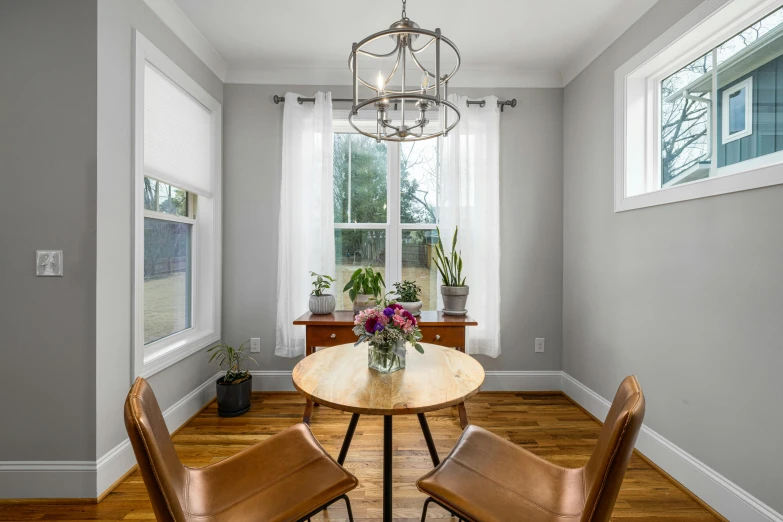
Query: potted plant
{"points": [[453, 288], [364, 286], [233, 389], [408, 296], [321, 303]]}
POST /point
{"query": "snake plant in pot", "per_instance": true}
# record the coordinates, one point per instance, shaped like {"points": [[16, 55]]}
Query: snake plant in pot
{"points": [[233, 389], [453, 288]]}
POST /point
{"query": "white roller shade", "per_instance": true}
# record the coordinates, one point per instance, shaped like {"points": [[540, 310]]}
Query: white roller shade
{"points": [[177, 142]]}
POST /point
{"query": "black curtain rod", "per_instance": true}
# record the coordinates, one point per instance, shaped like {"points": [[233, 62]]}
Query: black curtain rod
{"points": [[480, 103]]}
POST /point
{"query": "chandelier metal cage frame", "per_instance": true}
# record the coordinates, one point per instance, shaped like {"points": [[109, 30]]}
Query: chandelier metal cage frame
{"points": [[404, 32]]}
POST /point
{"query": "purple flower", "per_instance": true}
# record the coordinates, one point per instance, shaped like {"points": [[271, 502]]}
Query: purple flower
{"points": [[388, 312], [378, 327]]}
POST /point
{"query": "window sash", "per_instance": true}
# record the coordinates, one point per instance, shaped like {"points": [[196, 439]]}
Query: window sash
{"points": [[393, 225]]}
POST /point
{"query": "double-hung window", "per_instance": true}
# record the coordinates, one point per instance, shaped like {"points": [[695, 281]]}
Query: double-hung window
{"points": [[699, 112], [176, 213], [385, 211]]}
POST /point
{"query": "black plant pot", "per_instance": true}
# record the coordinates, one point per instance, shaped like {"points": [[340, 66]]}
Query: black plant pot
{"points": [[234, 399]]}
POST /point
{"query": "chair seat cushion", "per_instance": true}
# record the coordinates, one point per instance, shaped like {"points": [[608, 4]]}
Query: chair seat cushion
{"points": [[487, 478], [280, 479]]}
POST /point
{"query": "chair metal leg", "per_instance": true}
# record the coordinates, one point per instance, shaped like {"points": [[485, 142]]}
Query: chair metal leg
{"points": [[348, 506], [424, 511], [426, 504], [325, 506]]}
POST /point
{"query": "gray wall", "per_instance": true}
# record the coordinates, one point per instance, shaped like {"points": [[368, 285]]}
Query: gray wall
{"points": [[47, 201], [688, 296], [530, 213], [116, 21]]}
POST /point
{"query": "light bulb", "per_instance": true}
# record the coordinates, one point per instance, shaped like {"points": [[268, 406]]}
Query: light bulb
{"points": [[379, 82], [425, 82]]}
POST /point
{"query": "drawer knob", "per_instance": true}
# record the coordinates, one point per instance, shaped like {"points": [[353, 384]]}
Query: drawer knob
{"points": [[437, 337], [333, 336]]}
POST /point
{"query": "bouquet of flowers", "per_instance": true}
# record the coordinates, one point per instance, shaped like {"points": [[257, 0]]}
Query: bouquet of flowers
{"points": [[387, 329]]}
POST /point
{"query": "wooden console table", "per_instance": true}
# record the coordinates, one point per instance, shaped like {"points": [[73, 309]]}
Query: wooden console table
{"points": [[337, 328]]}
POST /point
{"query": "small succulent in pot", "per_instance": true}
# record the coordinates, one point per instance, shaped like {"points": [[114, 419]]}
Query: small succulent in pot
{"points": [[322, 303], [233, 389], [453, 287], [408, 293], [364, 286]]}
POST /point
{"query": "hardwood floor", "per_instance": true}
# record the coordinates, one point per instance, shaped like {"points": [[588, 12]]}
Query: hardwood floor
{"points": [[550, 426]]}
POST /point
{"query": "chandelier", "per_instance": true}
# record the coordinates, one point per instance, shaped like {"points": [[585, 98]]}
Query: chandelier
{"points": [[393, 88]]}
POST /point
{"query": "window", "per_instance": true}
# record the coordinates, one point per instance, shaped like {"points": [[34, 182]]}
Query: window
{"points": [[699, 112], [385, 211], [177, 213], [737, 111]]}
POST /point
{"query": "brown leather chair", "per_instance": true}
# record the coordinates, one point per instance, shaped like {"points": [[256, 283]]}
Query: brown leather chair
{"points": [[286, 477], [487, 478]]}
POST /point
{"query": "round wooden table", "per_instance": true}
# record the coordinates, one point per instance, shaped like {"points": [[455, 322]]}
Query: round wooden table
{"points": [[338, 377]]}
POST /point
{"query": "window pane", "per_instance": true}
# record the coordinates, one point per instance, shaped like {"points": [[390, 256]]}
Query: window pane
{"points": [[165, 198], [419, 184], [354, 249], [750, 93], [418, 247], [360, 197], [737, 111], [685, 119], [166, 278]]}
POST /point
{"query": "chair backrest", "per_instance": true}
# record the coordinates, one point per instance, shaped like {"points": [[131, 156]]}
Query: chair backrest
{"points": [[605, 471], [163, 473]]}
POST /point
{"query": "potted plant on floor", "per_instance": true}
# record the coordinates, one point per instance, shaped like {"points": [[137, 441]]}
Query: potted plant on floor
{"points": [[364, 286], [233, 389], [321, 303], [453, 288], [408, 296]]}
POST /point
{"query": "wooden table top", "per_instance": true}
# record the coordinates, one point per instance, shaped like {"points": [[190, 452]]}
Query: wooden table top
{"points": [[345, 317], [338, 377]]}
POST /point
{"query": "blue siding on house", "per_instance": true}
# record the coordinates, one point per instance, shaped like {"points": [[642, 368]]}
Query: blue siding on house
{"points": [[767, 135]]}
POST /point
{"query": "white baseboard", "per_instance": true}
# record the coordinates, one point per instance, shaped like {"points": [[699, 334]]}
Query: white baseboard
{"points": [[521, 381], [717, 491], [88, 479], [272, 380]]}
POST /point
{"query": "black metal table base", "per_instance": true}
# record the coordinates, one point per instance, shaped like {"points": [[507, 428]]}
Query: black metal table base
{"points": [[387, 454]]}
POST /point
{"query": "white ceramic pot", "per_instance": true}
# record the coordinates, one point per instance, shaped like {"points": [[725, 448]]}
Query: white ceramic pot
{"points": [[454, 299], [363, 301], [322, 304], [414, 307]]}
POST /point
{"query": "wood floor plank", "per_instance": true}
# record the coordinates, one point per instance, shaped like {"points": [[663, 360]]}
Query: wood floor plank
{"points": [[549, 425]]}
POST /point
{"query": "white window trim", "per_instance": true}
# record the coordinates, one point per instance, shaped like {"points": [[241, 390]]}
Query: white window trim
{"points": [[637, 94], [746, 84], [206, 242], [393, 226]]}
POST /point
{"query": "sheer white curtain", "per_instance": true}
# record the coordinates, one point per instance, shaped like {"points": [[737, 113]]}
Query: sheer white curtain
{"points": [[470, 172], [306, 227]]}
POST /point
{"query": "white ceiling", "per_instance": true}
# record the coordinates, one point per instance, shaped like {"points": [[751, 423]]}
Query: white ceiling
{"points": [[504, 43]]}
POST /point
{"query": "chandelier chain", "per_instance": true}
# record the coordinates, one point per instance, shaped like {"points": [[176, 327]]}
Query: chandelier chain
{"points": [[404, 13]]}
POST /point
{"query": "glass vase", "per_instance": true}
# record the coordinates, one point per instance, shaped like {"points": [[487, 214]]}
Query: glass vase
{"points": [[385, 359]]}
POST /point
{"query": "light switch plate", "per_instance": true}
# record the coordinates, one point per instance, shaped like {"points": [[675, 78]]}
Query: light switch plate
{"points": [[255, 345], [48, 263]]}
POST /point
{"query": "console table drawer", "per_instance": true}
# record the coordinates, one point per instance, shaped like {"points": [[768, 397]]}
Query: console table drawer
{"points": [[330, 335], [444, 336]]}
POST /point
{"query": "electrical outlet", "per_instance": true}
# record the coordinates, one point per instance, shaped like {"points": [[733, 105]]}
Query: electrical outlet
{"points": [[539, 344], [255, 345]]}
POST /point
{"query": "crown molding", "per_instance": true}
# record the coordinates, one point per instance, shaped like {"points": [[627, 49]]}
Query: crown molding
{"points": [[496, 78], [185, 30], [626, 14]]}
